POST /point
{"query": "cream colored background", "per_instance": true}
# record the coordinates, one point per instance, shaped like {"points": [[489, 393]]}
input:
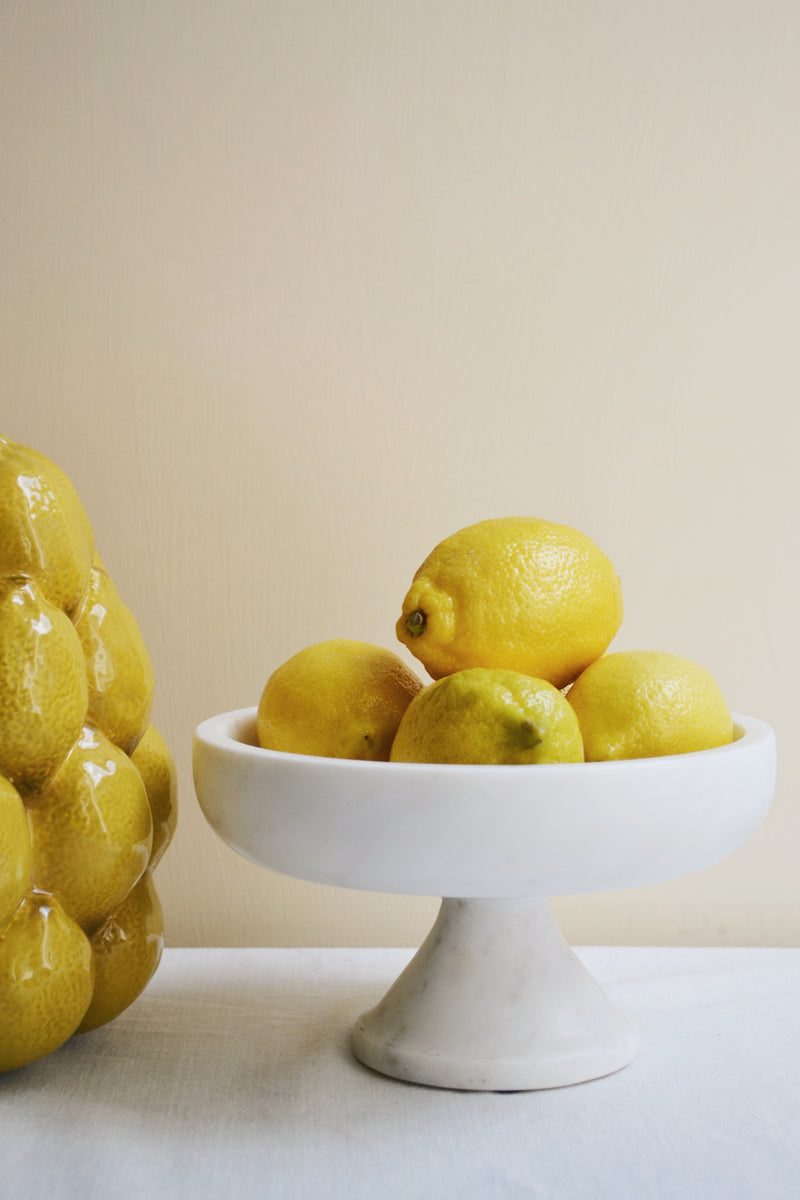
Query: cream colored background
{"points": [[293, 289]]}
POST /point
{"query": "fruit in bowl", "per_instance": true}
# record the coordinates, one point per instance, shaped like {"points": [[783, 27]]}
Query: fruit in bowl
{"points": [[336, 699], [485, 715], [646, 703], [87, 783], [516, 592], [512, 618]]}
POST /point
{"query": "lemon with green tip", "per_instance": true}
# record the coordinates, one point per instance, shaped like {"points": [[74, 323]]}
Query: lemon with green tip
{"points": [[518, 593], [648, 703], [488, 716], [337, 699]]}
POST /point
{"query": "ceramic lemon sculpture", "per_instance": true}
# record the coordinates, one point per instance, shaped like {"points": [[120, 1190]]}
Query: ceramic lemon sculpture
{"points": [[87, 783]]}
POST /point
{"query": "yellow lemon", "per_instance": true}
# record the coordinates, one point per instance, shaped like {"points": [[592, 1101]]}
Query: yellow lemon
{"points": [[339, 699], [645, 703], [127, 950], [46, 979], [92, 830], [155, 764], [15, 851], [119, 670], [43, 688], [518, 593], [44, 532], [482, 715]]}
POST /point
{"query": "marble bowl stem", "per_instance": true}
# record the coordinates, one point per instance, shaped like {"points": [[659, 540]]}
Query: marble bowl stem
{"points": [[495, 999]]}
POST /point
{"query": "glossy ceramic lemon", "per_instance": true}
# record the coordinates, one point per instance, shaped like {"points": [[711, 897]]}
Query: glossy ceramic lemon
{"points": [[43, 689], [127, 949], [92, 830], [46, 980], [119, 670], [154, 763], [44, 532], [15, 851]]}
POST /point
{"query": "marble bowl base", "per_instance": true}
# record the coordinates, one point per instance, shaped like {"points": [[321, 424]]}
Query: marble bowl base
{"points": [[495, 1000]]}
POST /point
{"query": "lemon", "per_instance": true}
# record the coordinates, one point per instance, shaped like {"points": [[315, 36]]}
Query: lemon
{"points": [[15, 851], [43, 688], [92, 830], [127, 950], [155, 764], [339, 699], [518, 593], [119, 670], [645, 703], [482, 715], [46, 980], [44, 532]]}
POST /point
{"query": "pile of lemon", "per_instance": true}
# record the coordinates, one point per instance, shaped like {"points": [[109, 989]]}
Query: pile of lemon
{"points": [[87, 784], [512, 619]]}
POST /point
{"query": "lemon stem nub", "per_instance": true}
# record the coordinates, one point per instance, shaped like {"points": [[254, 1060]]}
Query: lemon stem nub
{"points": [[529, 735], [416, 622]]}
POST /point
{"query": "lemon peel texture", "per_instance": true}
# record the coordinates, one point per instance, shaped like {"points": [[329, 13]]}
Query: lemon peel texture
{"points": [[647, 703], [488, 716], [338, 699], [518, 593]]}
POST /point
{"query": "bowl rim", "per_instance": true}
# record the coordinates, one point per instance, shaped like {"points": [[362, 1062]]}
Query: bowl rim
{"points": [[220, 732]]}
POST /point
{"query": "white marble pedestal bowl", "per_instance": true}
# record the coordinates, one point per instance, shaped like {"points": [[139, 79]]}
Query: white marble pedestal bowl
{"points": [[494, 999]]}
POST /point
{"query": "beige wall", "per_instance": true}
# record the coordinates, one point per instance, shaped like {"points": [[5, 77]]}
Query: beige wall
{"points": [[294, 289]]}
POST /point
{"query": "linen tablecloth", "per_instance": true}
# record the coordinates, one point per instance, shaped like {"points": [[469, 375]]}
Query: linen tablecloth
{"points": [[232, 1075]]}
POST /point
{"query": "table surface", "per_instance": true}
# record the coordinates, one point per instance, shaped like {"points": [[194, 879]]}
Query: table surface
{"points": [[232, 1075]]}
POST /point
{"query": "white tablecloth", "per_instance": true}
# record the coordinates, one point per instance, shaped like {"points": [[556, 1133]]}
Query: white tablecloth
{"points": [[232, 1077]]}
